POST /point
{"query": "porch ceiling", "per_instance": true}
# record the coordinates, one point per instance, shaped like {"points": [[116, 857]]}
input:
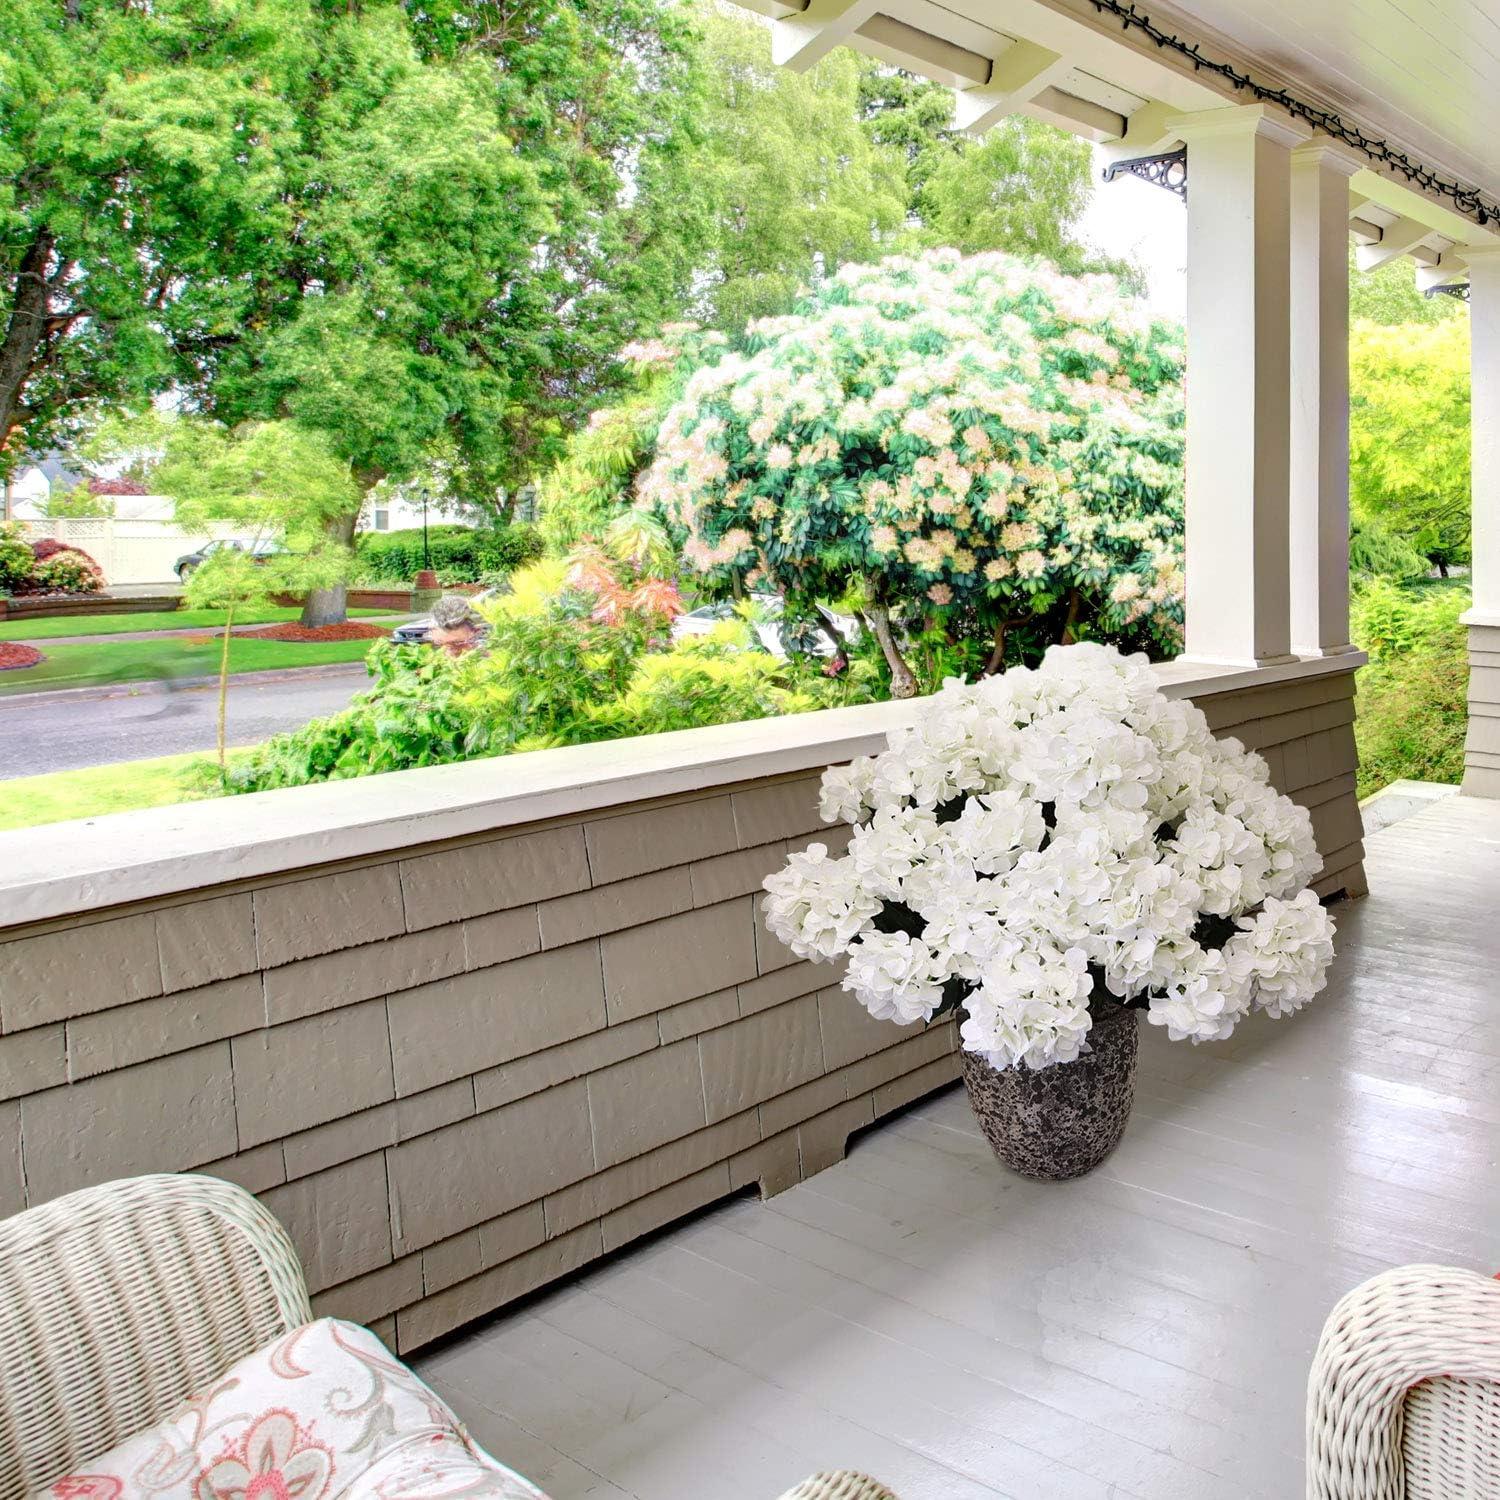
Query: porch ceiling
{"points": [[1146, 1331], [1427, 75], [1426, 79]]}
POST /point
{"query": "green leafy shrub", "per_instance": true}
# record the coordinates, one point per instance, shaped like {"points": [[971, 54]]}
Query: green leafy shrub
{"points": [[1388, 620], [577, 652], [1413, 696], [460, 554], [17, 563]]}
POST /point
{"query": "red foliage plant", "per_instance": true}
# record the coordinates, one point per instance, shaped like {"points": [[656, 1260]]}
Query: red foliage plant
{"points": [[50, 547], [117, 487]]}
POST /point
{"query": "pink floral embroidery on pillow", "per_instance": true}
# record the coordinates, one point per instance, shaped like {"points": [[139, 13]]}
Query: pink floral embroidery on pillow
{"points": [[277, 1459], [88, 1487]]}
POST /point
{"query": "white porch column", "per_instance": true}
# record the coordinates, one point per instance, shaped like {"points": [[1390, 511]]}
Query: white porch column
{"points": [[1319, 488], [1482, 749], [1238, 414]]}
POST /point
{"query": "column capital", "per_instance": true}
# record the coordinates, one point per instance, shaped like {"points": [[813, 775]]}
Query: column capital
{"points": [[1241, 120], [1329, 155]]}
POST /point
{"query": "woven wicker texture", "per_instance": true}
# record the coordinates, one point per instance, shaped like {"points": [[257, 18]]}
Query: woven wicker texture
{"points": [[1403, 1402], [118, 1302], [844, 1484]]}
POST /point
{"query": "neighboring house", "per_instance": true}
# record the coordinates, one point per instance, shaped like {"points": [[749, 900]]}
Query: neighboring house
{"points": [[401, 510], [30, 489]]}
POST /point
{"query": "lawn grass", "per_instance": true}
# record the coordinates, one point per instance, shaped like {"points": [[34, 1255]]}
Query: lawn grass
{"points": [[61, 796], [53, 626], [100, 663]]}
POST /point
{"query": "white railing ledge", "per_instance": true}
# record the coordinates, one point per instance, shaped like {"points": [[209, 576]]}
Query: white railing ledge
{"points": [[65, 869]]}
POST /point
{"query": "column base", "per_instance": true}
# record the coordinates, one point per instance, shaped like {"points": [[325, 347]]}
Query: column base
{"points": [[1317, 652], [1244, 663]]}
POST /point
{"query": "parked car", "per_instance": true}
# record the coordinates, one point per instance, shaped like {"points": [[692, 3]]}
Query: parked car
{"points": [[259, 552], [415, 632], [771, 632]]}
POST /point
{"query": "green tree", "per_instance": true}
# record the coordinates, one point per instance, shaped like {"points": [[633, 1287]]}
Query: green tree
{"points": [[1409, 434], [422, 233], [1389, 295], [467, 255], [1022, 187], [278, 486], [797, 185], [79, 502], [133, 155]]}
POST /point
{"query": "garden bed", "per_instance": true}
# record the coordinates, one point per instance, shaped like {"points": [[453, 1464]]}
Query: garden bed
{"points": [[348, 630], [14, 658]]}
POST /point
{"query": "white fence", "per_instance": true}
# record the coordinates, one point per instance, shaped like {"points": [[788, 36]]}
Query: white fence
{"points": [[129, 551]]}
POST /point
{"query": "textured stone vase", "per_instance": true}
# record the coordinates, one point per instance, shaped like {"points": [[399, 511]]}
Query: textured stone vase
{"points": [[1064, 1120]]}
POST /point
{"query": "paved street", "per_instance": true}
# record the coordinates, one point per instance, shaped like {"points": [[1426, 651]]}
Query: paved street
{"points": [[65, 734]]}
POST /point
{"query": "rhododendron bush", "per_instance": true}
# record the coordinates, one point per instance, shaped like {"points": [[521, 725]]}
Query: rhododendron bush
{"points": [[1043, 842], [973, 443]]}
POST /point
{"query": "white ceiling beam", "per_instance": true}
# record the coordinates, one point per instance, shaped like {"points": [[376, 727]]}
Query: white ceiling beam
{"points": [[1147, 133], [803, 40], [1395, 240], [937, 57], [1449, 268], [1024, 70], [1094, 122]]}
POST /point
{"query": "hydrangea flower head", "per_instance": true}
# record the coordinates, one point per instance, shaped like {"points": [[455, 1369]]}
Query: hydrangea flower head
{"points": [[1046, 842]]}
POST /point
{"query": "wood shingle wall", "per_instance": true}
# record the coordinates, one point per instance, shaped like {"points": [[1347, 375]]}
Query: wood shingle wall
{"points": [[456, 1073]]}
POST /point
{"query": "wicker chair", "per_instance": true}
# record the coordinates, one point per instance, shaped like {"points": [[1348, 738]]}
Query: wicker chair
{"points": [[120, 1301], [1403, 1402]]}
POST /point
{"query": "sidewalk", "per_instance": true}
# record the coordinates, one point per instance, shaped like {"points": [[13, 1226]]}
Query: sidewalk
{"points": [[160, 686], [42, 642]]}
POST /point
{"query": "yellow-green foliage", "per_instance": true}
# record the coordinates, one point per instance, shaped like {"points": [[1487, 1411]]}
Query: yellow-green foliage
{"points": [[591, 485], [1413, 708], [1409, 433]]}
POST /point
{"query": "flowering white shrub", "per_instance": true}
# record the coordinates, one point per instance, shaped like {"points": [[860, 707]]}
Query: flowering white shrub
{"points": [[975, 441], [1043, 840]]}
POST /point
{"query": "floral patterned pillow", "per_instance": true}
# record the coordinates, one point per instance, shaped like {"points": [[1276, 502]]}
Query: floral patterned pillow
{"points": [[324, 1413]]}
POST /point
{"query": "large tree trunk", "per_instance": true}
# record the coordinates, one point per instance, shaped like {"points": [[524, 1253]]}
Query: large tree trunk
{"points": [[330, 606], [903, 679], [24, 329]]}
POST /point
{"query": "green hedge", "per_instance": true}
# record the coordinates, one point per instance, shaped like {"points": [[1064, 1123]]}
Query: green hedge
{"points": [[462, 553]]}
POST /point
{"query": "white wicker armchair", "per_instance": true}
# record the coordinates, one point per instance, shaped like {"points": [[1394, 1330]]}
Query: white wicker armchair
{"points": [[118, 1302], [1403, 1402]]}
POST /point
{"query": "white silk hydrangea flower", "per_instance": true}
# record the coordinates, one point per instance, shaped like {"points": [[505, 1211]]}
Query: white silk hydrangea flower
{"points": [[1044, 841]]}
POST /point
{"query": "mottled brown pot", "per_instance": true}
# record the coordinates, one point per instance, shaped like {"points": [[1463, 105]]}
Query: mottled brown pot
{"points": [[1064, 1120]]}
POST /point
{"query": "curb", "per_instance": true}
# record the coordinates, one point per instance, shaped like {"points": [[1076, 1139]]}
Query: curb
{"points": [[159, 687]]}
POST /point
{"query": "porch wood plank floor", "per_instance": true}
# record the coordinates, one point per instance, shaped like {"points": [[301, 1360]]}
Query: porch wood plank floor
{"points": [[921, 1314]]}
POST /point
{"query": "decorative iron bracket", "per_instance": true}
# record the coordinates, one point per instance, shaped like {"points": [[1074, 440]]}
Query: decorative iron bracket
{"points": [[1457, 289], [1165, 169]]}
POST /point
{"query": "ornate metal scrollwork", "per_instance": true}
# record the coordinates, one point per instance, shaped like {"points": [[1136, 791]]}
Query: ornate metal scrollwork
{"points": [[1458, 289], [1166, 169]]}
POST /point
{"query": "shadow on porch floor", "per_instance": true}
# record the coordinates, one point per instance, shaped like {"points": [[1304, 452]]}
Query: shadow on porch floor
{"points": [[919, 1313]]}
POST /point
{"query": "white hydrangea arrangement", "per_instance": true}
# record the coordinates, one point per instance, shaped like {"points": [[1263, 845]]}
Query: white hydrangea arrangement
{"points": [[1048, 838]]}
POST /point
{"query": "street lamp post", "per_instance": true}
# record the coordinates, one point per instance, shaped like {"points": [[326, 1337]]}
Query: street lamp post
{"points": [[426, 550]]}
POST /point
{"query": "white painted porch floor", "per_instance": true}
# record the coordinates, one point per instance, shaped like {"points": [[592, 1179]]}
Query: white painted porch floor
{"points": [[919, 1313]]}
